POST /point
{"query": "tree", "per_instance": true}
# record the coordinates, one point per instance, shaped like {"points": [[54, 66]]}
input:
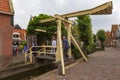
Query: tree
{"points": [[34, 23], [101, 36], [85, 31], [94, 38]]}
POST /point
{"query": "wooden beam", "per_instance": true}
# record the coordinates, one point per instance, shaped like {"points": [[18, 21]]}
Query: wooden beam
{"points": [[59, 55], [58, 41], [69, 39], [102, 9], [47, 20], [61, 18], [40, 30], [6, 13], [47, 46], [76, 44], [26, 56], [31, 56], [105, 8], [11, 6]]}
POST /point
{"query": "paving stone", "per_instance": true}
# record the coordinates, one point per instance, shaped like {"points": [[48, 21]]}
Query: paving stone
{"points": [[102, 65]]}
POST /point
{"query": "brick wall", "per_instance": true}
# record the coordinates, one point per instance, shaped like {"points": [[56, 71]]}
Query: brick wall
{"points": [[5, 35], [0, 41]]}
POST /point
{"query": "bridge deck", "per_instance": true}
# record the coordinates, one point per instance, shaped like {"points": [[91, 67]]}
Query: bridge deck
{"points": [[46, 57]]}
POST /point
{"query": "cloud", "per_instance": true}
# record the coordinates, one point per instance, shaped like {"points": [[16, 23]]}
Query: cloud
{"points": [[25, 8]]}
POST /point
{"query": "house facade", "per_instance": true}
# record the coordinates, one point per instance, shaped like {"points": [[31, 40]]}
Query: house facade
{"points": [[108, 39], [113, 35], [118, 36], [19, 35], [6, 23]]}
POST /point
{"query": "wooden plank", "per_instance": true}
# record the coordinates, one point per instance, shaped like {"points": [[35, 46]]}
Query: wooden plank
{"points": [[47, 57]]}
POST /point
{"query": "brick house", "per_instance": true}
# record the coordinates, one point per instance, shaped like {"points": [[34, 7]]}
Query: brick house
{"points": [[113, 35], [108, 39], [118, 36], [6, 23], [19, 35]]}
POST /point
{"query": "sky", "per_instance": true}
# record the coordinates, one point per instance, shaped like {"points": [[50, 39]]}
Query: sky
{"points": [[25, 8]]}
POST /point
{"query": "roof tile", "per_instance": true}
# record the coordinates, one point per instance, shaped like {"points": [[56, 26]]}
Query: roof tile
{"points": [[5, 6]]}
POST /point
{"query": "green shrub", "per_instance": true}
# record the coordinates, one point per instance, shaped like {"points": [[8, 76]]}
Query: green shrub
{"points": [[76, 53], [24, 43]]}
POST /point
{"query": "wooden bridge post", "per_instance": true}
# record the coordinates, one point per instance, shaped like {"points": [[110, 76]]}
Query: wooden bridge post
{"points": [[44, 50], [69, 39], [58, 39], [25, 56], [59, 55], [31, 58]]}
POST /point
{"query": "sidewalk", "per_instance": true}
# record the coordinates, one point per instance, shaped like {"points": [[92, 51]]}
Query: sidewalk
{"points": [[102, 65], [5, 61]]}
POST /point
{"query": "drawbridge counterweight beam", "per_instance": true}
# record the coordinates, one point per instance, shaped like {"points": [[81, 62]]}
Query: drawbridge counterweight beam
{"points": [[103, 9]]}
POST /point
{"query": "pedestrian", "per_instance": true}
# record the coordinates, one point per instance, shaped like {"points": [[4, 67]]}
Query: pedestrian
{"points": [[34, 43], [65, 47], [21, 49], [25, 48], [14, 50], [17, 49], [26, 52], [53, 44]]}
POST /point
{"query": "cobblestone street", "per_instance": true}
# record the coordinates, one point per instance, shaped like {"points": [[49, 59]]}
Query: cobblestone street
{"points": [[102, 65]]}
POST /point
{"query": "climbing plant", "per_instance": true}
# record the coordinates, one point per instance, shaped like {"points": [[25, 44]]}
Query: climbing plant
{"points": [[85, 31]]}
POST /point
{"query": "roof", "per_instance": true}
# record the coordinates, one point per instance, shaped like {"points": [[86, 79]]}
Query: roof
{"points": [[6, 7], [114, 27], [17, 27], [108, 33], [105, 8], [21, 31]]}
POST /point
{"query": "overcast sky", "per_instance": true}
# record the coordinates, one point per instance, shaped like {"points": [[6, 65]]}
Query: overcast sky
{"points": [[25, 8]]}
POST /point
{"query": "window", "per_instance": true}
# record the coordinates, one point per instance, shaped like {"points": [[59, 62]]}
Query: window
{"points": [[112, 34], [15, 36], [12, 20]]}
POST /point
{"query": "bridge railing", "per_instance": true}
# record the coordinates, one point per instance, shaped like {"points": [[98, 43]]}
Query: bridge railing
{"points": [[40, 50]]}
